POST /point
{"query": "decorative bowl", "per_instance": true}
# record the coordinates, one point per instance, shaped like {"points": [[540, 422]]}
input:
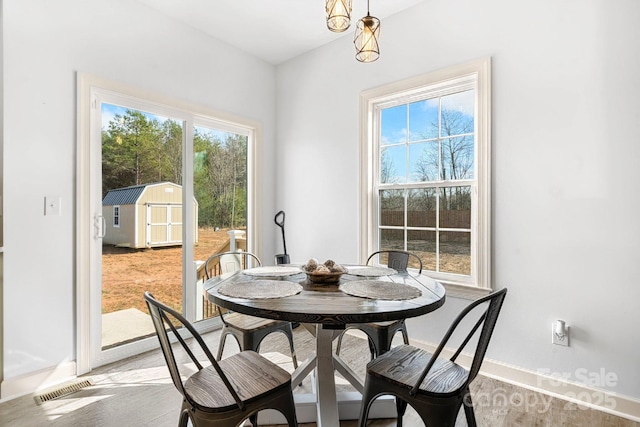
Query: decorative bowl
{"points": [[323, 277]]}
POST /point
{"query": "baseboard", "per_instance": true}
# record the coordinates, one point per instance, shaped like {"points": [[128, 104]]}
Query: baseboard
{"points": [[598, 399], [12, 388]]}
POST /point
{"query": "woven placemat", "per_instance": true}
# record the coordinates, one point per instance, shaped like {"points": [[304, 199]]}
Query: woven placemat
{"points": [[260, 289], [378, 289], [272, 271], [370, 271]]}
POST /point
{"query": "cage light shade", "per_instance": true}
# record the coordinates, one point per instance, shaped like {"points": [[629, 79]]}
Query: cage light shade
{"points": [[338, 15], [366, 39]]}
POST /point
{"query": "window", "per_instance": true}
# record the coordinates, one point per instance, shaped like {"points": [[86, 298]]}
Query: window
{"points": [[116, 216], [426, 172]]}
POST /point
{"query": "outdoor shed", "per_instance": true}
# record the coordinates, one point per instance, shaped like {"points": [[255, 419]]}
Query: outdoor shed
{"points": [[144, 216]]}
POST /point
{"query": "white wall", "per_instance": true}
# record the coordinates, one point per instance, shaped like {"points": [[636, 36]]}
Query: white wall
{"points": [[565, 152], [46, 43]]}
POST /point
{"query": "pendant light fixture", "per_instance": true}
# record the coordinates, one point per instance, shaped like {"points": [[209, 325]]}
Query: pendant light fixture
{"points": [[366, 38], [338, 15]]}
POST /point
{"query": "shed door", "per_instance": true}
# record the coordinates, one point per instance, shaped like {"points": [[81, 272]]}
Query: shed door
{"points": [[175, 225], [161, 228]]}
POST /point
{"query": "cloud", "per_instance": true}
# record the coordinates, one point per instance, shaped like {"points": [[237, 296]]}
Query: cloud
{"points": [[460, 101]]}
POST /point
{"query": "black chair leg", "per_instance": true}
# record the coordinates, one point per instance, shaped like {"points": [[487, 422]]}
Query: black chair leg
{"points": [[401, 408], [223, 339], [438, 415], [467, 403], [253, 419], [339, 345], [294, 359], [184, 418], [364, 409], [372, 349], [405, 337]]}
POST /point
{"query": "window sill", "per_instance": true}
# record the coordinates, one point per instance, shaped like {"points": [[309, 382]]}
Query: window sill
{"points": [[464, 291]]}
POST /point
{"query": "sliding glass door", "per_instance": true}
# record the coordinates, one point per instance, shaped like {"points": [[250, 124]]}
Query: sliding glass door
{"points": [[153, 217]]}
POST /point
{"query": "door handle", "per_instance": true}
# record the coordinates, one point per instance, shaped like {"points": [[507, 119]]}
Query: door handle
{"points": [[101, 226]]}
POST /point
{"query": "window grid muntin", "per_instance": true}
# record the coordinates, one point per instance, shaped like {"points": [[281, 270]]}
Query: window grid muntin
{"points": [[437, 229], [438, 184]]}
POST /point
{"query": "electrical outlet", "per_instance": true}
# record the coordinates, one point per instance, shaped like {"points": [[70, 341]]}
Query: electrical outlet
{"points": [[559, 339]]}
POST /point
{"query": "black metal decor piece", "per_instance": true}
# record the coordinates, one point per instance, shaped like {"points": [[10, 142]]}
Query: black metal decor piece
{"points": [[282, 258]]}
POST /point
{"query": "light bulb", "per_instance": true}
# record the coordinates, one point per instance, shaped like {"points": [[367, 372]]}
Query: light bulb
{"points": [[338, 15]]}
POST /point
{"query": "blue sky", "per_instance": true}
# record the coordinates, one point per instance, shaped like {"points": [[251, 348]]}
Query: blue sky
{"points": [[413, 122], [109, 112]]}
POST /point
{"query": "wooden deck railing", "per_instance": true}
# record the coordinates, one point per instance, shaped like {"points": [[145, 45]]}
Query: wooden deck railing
{"points": [[208, 310]]}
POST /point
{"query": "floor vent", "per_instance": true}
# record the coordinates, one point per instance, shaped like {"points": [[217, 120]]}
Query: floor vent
{"points": [[62, 390]]}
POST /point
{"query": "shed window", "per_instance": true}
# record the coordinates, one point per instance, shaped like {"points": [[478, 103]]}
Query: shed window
{"points": [[116, 216]]}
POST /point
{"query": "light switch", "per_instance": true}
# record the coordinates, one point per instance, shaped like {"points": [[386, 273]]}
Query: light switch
{"points": [[52, 205]]}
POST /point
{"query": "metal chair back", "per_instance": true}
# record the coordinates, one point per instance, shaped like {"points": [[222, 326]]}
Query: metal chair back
{"points": [[487, 320], [397, 259], [162, 316]]}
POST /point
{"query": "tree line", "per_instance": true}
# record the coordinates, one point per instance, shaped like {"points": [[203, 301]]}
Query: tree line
{"points": [[139, 150], [451, 160]]}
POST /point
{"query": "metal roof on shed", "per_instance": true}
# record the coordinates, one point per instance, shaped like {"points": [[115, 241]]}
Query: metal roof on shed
{"points": [[123, 196]]}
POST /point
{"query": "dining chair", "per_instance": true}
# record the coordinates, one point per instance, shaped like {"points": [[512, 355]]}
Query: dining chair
{"points": [[220, 394], [434, 386], [380, 334], [248, 331]]}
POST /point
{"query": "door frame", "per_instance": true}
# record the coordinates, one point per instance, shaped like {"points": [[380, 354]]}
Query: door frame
{"points": [[88, 155]]}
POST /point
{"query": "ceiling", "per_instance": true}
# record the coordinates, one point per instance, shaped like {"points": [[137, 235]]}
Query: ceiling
{"points": [[273, 30]]}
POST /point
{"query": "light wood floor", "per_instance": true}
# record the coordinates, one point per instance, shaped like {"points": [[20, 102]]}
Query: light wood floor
{"points": [[139, 392]]}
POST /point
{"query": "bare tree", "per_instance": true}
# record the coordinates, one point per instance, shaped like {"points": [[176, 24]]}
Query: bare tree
{"points": [[452, 160], [224, 180], [387, 168]]}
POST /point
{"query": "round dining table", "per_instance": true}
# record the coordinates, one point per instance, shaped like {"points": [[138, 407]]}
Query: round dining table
{"points": [[363, 294]]}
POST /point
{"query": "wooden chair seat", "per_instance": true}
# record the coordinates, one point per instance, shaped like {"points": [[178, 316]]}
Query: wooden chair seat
{"points": [[403, 364], [249, 331], [250, 374], [382, 324], [246, 323]]}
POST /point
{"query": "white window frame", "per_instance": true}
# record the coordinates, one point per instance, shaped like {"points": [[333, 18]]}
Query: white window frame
{"points": [[478, 73], [116, 216]]}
